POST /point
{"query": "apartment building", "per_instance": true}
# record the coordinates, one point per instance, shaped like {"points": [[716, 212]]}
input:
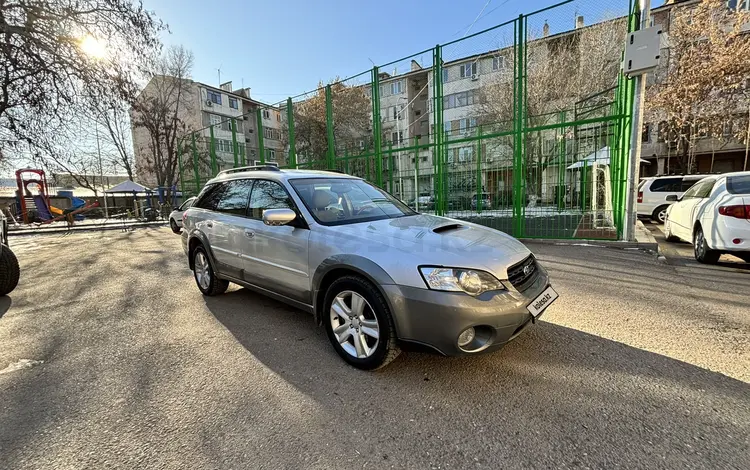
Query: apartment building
{"points": [[211, 111]]}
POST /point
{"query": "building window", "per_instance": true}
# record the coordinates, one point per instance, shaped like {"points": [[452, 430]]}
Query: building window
{"points": [[395, 112], [498, 63], [397, 137], [445, 75], [646, 133], [214, 120], [457, 100], [447, 125], [278, 117], [726, 128], [464, 154], [233, 103], [739, 5], [661, 132], [467, 70], [270, 155], [271, 133], [266, 114], [213, 96], [397, 87]]}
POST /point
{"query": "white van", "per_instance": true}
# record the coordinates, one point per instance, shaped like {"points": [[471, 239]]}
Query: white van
{"points": [[653, 192]]}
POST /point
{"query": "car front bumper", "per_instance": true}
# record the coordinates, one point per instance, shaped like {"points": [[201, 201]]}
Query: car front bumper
{"points": [[435, 319]]}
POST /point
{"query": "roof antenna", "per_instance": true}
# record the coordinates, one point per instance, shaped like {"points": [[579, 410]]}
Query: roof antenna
{"points": [[219, 70]]}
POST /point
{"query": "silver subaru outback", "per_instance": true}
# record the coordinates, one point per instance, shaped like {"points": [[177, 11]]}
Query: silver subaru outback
{"points": [[377, 275]]}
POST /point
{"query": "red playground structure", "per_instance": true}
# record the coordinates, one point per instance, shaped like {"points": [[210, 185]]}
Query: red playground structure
{"points": [[40, 203]]}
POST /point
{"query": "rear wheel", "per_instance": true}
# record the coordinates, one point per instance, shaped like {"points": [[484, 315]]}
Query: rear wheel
{"points": [[660, 214], [359, 324], [10, 272], [173, 226], [205, 276], [701, 250]]}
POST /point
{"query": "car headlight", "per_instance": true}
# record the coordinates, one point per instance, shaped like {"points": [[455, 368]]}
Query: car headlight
{"points": [[471, 281]]}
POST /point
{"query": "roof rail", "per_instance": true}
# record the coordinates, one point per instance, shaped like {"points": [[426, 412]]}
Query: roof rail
{"points": [[249, 168]]}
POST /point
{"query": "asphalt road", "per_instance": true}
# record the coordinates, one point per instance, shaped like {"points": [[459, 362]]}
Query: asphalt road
{"points": [[639, 364]]}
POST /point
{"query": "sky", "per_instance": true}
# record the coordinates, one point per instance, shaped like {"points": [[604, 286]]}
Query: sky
{"points": [[281, 48]]}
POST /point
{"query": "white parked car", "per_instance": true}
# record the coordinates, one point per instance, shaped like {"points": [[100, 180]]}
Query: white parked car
{"points": [[714, 215], [654, 191], [175, 217]]}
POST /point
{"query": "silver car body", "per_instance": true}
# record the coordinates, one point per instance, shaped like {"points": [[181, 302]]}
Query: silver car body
{"points": [[294, 264]]}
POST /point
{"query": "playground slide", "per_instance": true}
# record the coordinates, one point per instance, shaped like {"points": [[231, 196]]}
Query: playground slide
{"points": [[76, 203], [41, 208]]}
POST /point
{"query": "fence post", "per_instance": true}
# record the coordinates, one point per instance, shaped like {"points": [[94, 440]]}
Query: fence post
{"points": [[212, 151], [416, 174], [195, 165], [330, 164], [261, 149], [376, 131], [346, 160], [479, 171], [292, 141], [235, 146], [519, 195], [390, 167], [437, 96], [561, 162], [181, 149]]}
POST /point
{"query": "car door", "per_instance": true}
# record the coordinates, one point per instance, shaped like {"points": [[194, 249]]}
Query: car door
{"points": [[277, 256], [682, 214], [226, 227]]}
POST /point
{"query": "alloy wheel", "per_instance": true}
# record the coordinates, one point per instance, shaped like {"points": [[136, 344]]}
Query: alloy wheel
{"points": [[354, 324], [662, 215], [698, 244], [202, 271]]}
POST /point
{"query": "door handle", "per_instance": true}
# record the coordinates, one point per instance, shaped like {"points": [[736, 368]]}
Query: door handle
{"points": [[249, 233], [209, 224]]}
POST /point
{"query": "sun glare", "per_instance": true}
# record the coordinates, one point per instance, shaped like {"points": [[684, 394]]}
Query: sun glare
{"points": [[93, 47]]}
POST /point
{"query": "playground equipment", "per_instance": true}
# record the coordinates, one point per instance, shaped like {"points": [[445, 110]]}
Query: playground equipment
{"points": [[40, 203]]}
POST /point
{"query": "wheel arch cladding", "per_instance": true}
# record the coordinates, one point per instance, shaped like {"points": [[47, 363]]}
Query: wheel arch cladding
{"points": [[199, 239], [340, 265]]}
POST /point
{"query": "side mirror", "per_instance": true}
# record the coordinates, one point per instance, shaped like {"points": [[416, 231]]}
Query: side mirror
{"points": [[276, 217], [672, 198]]}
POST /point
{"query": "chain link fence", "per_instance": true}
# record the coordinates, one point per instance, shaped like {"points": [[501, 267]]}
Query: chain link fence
{"points": [[523, 127]]}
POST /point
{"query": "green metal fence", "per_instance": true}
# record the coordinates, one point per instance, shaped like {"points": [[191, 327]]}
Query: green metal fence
{"points": [[524, 127]]}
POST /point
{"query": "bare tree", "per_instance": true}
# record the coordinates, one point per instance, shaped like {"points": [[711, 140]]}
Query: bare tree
{"points": [[706, 77], [161, 116], [53, 51], [351, 120]]}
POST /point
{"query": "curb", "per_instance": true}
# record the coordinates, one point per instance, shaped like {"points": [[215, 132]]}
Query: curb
{"points": [[91, 228]]}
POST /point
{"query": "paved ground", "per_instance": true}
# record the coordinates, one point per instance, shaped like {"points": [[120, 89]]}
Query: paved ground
{"points": [[640, 364]]}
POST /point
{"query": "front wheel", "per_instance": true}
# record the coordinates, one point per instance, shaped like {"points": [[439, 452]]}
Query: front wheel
{"points": [[359, 324], [10, 272], [173, 226], [701, 250], [205, 275]]}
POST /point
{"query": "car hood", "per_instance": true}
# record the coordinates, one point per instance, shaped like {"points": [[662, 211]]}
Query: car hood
{"points": [[433, 240]]}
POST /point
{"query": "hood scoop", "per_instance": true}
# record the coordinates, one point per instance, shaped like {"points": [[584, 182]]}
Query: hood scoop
{"points": [[446, 228]]}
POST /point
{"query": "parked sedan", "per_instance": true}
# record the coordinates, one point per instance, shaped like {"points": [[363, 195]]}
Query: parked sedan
{"points": [[715, 215], [175, 217], [375, 273]]}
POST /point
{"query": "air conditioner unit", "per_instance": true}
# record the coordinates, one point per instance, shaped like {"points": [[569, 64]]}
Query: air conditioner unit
{"points": [[475, 76], [209, 103], [248, 140]]}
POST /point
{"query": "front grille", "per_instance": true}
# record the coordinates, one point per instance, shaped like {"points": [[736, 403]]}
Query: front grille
{"points": [[523, 274]]}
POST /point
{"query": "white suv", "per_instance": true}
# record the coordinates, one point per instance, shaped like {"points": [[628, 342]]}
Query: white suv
{"points": [[653, 193]]}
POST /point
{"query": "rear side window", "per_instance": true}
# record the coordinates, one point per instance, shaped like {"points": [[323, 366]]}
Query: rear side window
{"points": [[234, 197], [666, 185], [688, 183], [209, 197], [738, 184]]}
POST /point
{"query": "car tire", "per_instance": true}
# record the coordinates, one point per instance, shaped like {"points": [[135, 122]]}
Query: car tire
{"points": [[204, 274], [10, 272], [173, 226], [374, 354], [660, 214], [701, 250], [668, 232]]}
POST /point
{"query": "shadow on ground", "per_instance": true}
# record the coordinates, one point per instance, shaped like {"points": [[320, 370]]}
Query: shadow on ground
{"points": [[553, 386]]}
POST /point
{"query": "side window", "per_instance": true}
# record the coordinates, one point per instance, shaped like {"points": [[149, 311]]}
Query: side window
{"points": [[268, 195], [706, 187], [234, 197], [692, 192], [210, 196], [688, 183], [186, 205], [666, 185]]}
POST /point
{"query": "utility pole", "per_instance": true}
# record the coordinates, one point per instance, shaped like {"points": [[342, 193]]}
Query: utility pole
{"points": [[101, 172], [635, 138]]}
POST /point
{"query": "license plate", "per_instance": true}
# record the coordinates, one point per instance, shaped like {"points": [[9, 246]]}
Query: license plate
{"points": [[543, 300]]}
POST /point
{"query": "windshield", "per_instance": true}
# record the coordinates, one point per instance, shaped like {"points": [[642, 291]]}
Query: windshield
{"points": [[338, 201]]}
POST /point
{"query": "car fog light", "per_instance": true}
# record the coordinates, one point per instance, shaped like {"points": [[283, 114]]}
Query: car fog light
{"points": [[466, 337]]}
